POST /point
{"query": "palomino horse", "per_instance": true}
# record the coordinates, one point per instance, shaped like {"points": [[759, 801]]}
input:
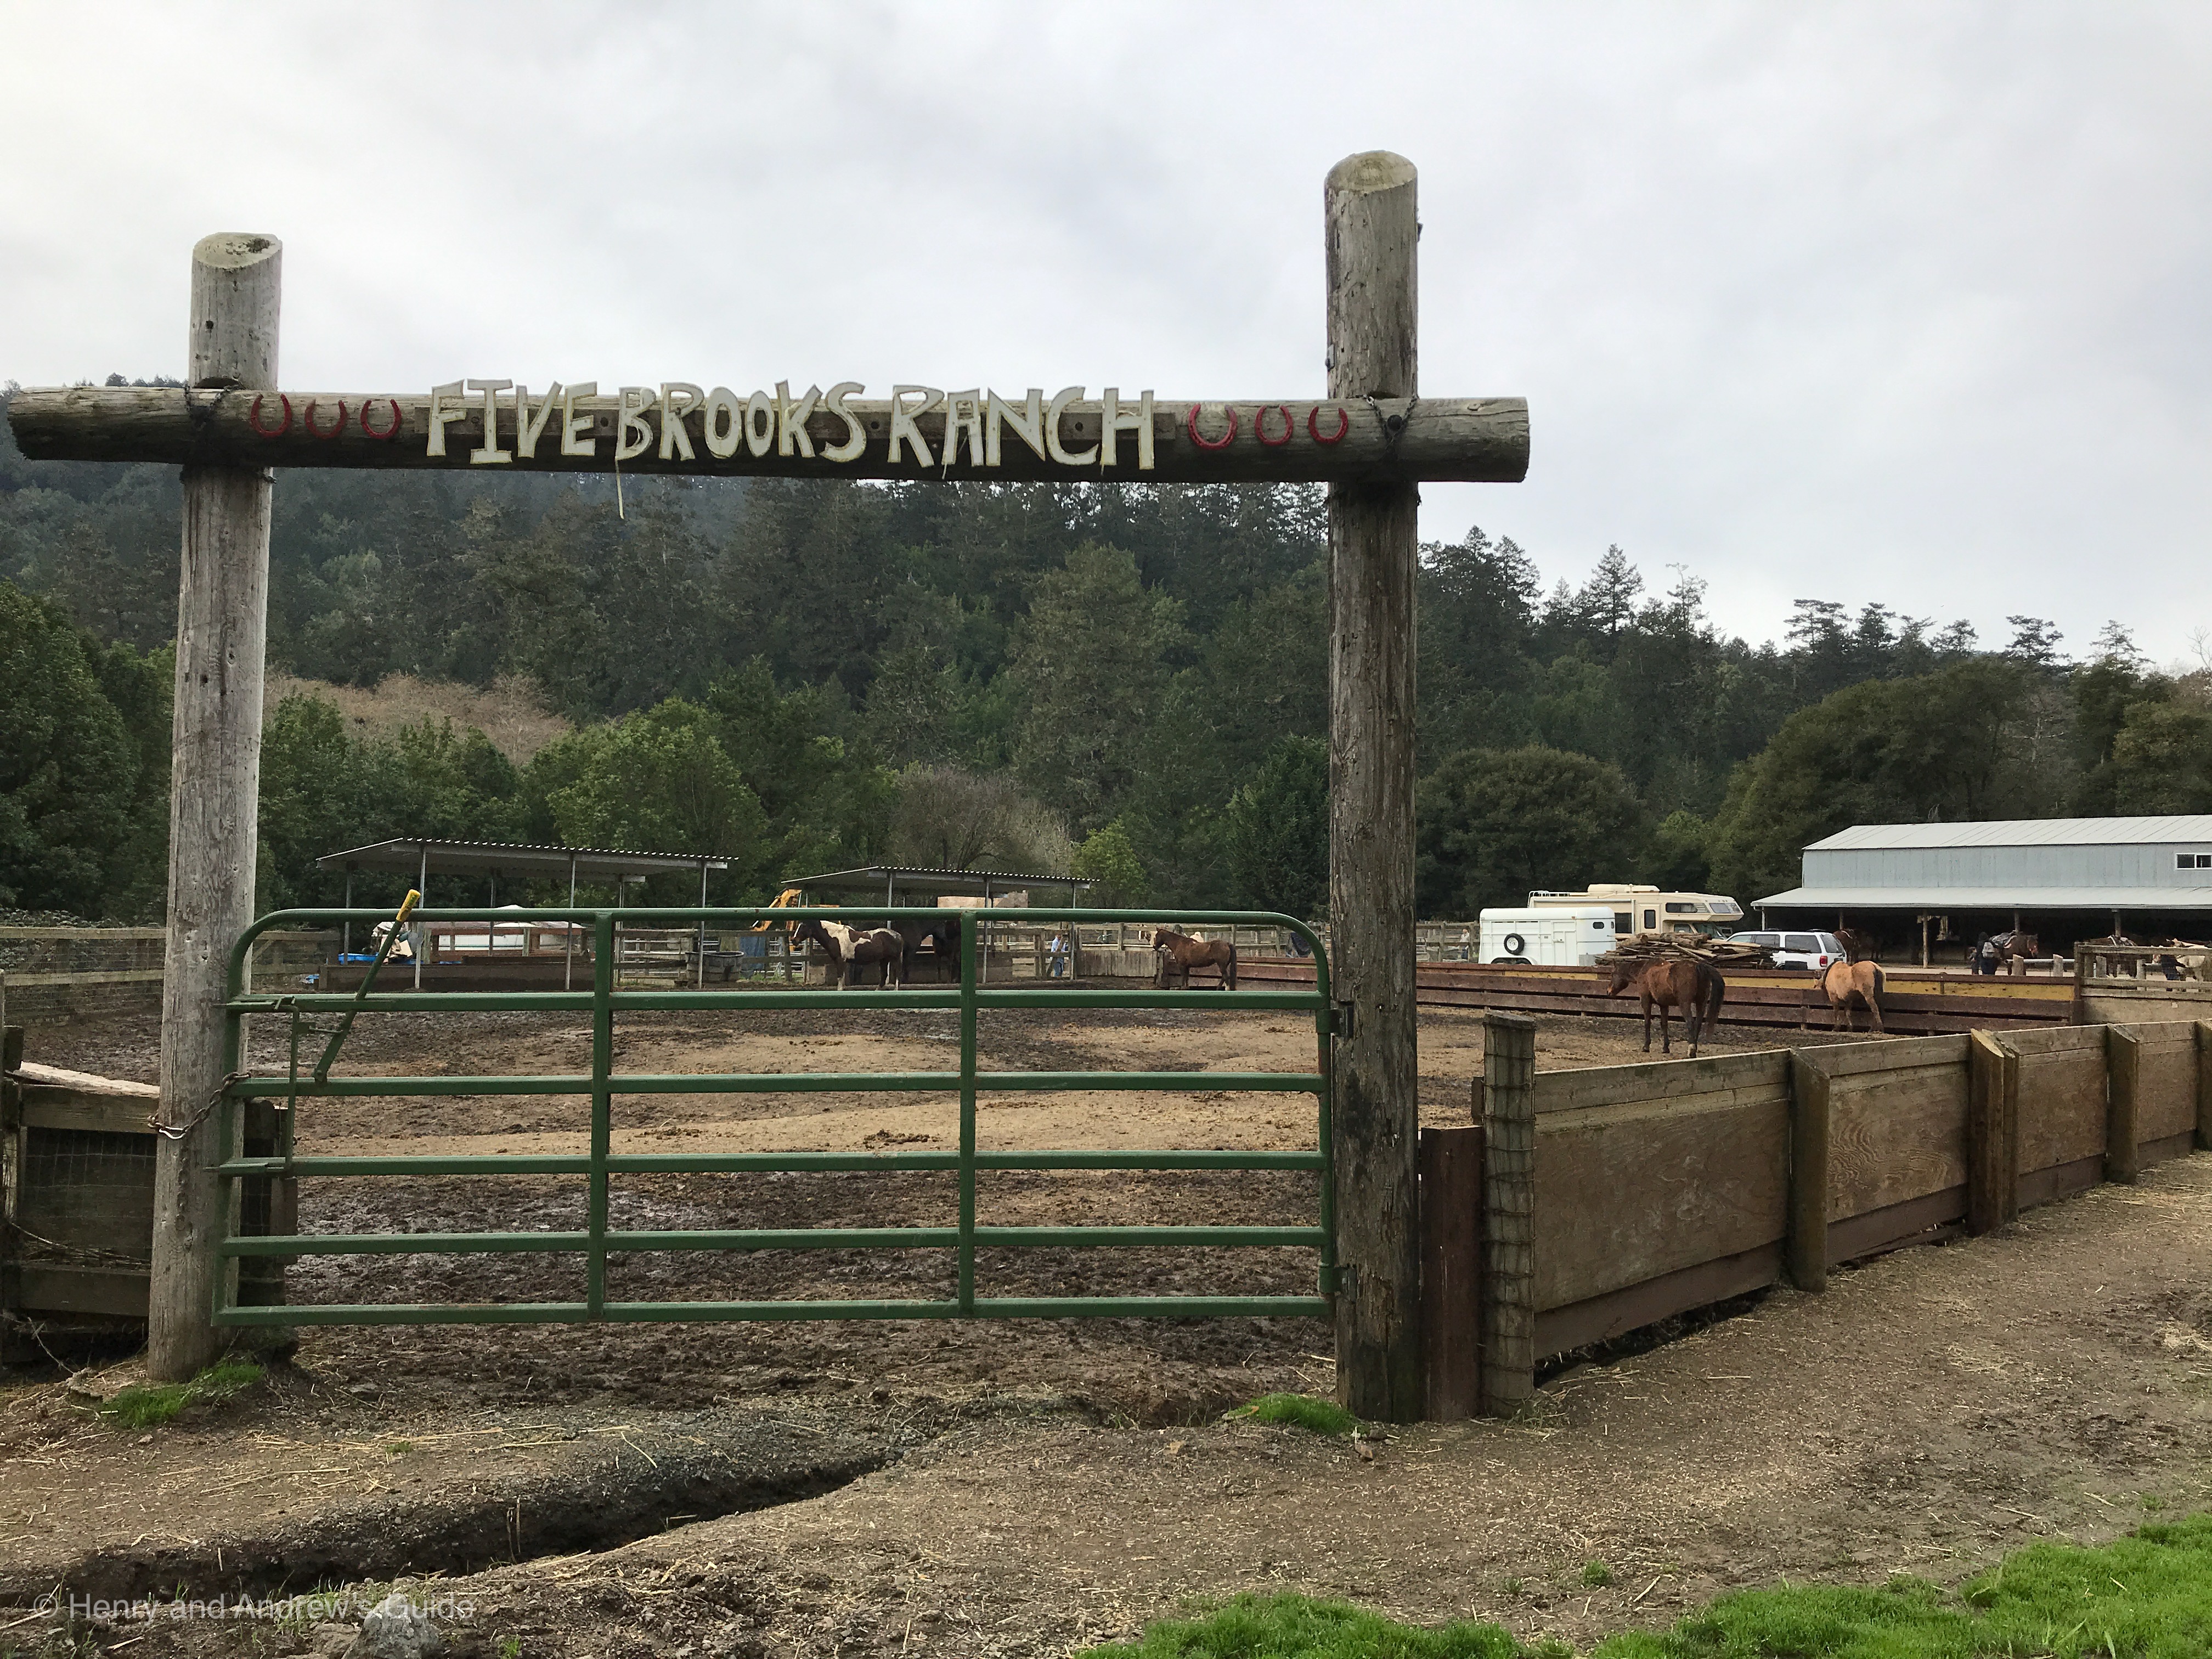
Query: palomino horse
{"points": [[852, 948], [1845, 981], [1179, 953], [1695, 987]]}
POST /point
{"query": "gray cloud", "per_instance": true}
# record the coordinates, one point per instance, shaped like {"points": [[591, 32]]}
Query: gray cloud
{"points": [[1903, 302]]}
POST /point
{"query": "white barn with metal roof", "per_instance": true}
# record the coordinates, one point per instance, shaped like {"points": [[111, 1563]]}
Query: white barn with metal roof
{"points": [[2072, 877]]}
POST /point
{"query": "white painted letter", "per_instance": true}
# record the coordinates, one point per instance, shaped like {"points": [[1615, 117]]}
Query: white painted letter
{"points": [[442, 418], [489, 451], [956, 424], [528, 430], [760, 423], [856, 435], [790, 420], [673, 437], [723, 425], [1065, 457], [1116, 419], [577, 437], [630, 405], [1029, 425], [902, 426]]}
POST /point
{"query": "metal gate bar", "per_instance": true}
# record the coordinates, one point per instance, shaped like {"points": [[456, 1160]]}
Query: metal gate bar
{"points": [[597, 1240]]}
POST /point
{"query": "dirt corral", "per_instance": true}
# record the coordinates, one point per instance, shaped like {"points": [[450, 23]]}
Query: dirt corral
{"points": [[1020, 1487]]}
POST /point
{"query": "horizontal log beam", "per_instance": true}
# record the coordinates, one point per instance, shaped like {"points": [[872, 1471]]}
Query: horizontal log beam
{"points": [[1472, 439]]}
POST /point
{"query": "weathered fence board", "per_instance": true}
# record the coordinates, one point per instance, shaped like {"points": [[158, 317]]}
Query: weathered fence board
{"points": [[1624, 1194]]}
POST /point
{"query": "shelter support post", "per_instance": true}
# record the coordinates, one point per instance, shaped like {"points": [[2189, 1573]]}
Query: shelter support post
{"points": [[345, 933], [1370, 230], [222, 615], [422, 929], [568, 938], [1508, 1213], [701, 981], [1808, 1247]]}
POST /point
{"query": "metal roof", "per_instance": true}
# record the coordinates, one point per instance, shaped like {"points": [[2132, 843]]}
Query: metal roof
{"points": [[2022, 832], [2104, 899], [872, 876], [495, 858]]}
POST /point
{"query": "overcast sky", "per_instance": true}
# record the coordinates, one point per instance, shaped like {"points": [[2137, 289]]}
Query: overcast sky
{"points": [[1908, 303]]}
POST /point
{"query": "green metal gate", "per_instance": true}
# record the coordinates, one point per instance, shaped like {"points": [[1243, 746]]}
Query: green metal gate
{"points": [[286, 1088]]}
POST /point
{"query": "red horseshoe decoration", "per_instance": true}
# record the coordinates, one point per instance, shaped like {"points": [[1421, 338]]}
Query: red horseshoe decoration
{"points": [[254, 418], [1343, 424], [1224, 441], [369, 431], [307, 420], [1259, 425]]}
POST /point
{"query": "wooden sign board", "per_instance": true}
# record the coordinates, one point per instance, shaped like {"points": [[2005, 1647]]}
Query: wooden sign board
{"points": [[920, 432]]}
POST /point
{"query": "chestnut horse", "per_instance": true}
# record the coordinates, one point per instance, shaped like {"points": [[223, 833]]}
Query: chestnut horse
{"points": [[1845, 981], [1179, 953], [852, 948], [1994, 953], [1695, 987]]}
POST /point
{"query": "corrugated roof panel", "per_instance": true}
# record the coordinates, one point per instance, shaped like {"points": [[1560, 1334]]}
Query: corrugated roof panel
{"points": [[2022, 832], [1994, 898]]}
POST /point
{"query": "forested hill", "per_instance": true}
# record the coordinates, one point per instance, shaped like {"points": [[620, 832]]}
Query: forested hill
{"points": [[806, 674]]}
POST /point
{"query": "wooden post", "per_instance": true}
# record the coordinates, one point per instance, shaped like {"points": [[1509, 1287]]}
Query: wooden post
{"points": [[215, 789], [1508, 1213], [1808, 1174], [1992, 1138], [1452, 1270], [2122, 1069], [1369, 206], [2204, 1085]]}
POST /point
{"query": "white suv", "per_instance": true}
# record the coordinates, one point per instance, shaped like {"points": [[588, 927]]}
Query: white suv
{"points": [[1812, 950]]}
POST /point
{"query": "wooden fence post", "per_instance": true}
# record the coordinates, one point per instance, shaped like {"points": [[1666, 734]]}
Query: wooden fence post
{"points": [[1992, 1138], [2122, 1137], [1452, 1270], [1509, 1219], [1371, 229], [2204, 1085], [215, 788], [1808, 1174]]}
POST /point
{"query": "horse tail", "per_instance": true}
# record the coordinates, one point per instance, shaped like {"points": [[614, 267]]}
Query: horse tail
{"points": [[1716, 989], [1229, 980], [1881, 981]]}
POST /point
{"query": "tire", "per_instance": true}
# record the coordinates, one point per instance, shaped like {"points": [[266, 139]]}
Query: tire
{"points": [[1515, 945]]}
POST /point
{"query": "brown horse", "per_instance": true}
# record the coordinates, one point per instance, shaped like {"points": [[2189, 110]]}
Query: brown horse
{"points": [[1845, 981], [1994, 953], [1179, 953], [1695, 987], [854, 948], [1857, 946]]}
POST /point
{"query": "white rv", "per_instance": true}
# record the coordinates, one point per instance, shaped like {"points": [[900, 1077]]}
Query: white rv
{"points": [[1639, 909], [1554, 937]]}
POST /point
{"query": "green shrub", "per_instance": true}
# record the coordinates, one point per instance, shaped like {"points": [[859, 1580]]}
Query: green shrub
{"points": [[147, 1405], [1301, 1411]]}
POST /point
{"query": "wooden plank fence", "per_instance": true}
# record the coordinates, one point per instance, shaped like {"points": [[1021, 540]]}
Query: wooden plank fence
{"points": [[1915, 1003], [1659, 1188]]}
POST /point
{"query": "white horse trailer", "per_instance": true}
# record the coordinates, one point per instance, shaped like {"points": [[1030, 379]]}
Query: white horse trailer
{"points": [[1554, 937]]}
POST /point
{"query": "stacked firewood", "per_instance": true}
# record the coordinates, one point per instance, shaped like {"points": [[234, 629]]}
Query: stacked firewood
{"points": [[1690, 947]]}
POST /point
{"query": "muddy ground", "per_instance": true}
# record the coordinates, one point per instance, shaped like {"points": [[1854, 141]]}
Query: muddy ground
{"points": [[1021, 1488]]}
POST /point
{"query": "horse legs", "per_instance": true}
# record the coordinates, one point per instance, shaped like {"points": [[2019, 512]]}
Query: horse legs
{"points": [[1666, 1037], [1647, 1023], [1873, 1009]]}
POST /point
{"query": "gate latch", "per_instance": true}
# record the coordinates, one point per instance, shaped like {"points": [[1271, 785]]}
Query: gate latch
{"points": [[1342, 1023]]}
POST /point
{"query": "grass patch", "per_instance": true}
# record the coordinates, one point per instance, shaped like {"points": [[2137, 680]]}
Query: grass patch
{"points": [[1298, 1627], [1300, 1411], [2148, 1595], [1596, 1575], [148, 1405]]}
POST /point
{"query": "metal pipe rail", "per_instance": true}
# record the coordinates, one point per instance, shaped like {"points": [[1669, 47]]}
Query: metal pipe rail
{"points": [[596, 1240]]}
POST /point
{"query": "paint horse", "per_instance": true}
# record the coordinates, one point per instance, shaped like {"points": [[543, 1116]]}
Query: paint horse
{"points": [[1849, 982], [1178, 953], [852, 949], [1695, 987]]}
